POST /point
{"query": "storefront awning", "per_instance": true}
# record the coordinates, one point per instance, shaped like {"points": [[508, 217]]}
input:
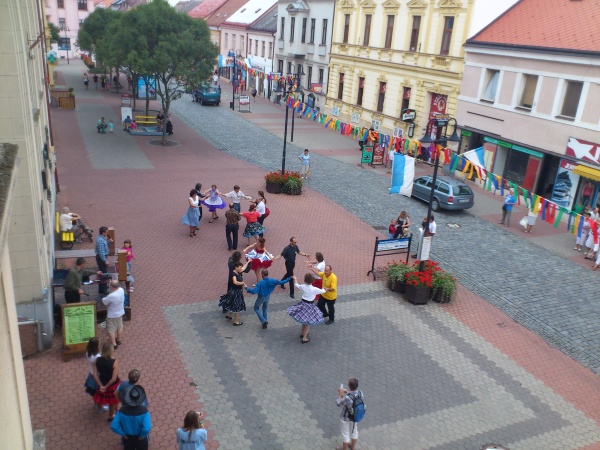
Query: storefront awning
{"points": [[587, 172]]}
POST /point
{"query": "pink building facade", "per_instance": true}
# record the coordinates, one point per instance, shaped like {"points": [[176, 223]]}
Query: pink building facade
{"points": [[68, 15]]}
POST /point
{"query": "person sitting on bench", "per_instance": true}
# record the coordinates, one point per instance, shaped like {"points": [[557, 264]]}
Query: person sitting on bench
{"points": [[127, 123]]}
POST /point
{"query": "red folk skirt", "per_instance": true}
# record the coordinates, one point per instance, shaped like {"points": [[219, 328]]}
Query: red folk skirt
{"points": [[318, 283], [107, 397]]}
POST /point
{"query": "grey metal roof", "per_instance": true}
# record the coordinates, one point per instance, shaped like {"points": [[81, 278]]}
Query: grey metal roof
{"points": [[267, 23]]}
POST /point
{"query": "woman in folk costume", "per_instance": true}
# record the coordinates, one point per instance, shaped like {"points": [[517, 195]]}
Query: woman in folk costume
{"points": [[592, 240], [260, 257], [213, 202], [585, 231]]}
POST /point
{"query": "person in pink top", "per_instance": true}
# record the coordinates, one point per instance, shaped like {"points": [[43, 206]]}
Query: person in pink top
{"points": [[130, 257]]}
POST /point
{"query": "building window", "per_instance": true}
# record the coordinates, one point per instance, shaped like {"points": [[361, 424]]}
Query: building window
{"points": [[367, 35], [292, 28], [270, 50], [81, 22], [324, 35], [280, 66], [226, 40], [389, 32], [381, 98], [309, 76], [256, 47], [414, 34], [346, 28], [341, 87], [447, 35], [262, 50], [571, 100], [289, 71], [249, 45], [361, 91], [82, 5], [61, 24], [529, 86], [61, 3], [233, 42], [491, 85], [313, 24], [405, 99], [282, 31], [321, 74], [304, 29]]}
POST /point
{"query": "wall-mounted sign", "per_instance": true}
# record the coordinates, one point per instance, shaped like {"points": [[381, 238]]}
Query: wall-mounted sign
{"points": [[316, 87], [335, 111], [408, 115], [355, 118], [583, 150], [376, 124]]}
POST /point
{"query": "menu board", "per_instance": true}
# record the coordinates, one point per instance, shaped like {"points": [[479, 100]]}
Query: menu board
{"points": [[79, 323], [378, 154], [367, 155]]}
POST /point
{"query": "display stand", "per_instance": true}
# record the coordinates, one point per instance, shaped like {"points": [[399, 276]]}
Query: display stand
{"points": [[244, 101], [386, 247], [79, 326]]}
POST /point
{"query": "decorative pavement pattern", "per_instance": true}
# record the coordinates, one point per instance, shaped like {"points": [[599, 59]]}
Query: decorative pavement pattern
{"points": [[432, 382]]}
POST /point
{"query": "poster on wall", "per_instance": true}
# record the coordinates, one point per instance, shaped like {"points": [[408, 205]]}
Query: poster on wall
{"points": [[565, 185], [437, 108]]}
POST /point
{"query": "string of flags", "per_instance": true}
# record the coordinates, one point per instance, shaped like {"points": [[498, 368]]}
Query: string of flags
{"points": [[550, 211]]}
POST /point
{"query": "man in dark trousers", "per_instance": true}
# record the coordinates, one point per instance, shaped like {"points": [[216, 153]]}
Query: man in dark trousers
{"points": [[289, 255], [232, 227], [133, 422], [72, 285], [102, 251]]}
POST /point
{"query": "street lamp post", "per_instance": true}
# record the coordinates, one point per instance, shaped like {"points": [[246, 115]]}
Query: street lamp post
{"points": [[287, 111], [234, 79], [67, 43], [439, 124], [298, 88]]}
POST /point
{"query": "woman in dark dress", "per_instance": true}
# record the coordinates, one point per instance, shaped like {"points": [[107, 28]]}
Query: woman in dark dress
{"points": [[106, 374], [233, 300]]}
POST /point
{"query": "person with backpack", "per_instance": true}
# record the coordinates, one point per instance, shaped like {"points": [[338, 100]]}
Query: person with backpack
{"points": [[353, 411]]}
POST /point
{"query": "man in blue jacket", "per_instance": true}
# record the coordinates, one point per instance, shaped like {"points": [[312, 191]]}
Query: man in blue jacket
{"points": [[133, 419], [264, 289]]}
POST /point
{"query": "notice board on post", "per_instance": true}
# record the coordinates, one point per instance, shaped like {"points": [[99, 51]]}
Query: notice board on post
{"points": [[79, 326]]}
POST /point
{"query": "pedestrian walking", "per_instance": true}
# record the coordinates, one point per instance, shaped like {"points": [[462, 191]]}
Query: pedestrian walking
{"points": [[264, 288], [213, 202], [92, 354], [86, 81], [305, 158], [133, 421], [259, 256], [306, 312], [348, 426], [507, 206], [111, 126], [319, 266], [192, 435], [103, 82], [192, 217], [232, 227], [95, 78], [73, 281], [327, 300], [253, 227], [106, 374], [236, 196], [289, 255], [233, 300], [115, 310], [102, 251]]}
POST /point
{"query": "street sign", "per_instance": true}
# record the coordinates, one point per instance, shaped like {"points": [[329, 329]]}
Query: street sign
{"points": [[64, 43]]}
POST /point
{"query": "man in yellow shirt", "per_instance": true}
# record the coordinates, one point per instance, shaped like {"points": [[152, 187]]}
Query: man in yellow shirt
{"points": [[327, 301]]}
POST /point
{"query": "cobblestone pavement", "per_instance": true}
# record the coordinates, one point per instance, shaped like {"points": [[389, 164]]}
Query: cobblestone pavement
{"points": [[438, 376], [539, 289]]}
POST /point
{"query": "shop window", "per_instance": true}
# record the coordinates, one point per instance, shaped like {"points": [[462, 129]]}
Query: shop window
{"points": [[282, 30], [367, 35], [324, 34], [389, 31], [529, 86], [361, 91], [304, 20], [346, 28], [414, 34], [292, 28], [381, 97], [447, 35], [571, 100], [313, 25], [491, 85], [341, 87]]}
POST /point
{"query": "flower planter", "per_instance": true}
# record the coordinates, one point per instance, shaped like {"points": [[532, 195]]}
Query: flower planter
{"points": [[417, 295], [397, 286], [439, 297], [294, 191], [273, 188]]}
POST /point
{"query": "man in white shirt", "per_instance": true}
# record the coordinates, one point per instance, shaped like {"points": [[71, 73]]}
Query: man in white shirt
{"points": [[235, 196], [115, 310], [432, 227], [67, 218]]}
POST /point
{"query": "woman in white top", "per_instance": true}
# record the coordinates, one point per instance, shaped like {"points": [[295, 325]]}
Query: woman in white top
{"points": [[319, 266], [306, 312], [91, 354], [261, 207]]}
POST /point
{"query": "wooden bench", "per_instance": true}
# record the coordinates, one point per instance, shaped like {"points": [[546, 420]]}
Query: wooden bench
{"points": [[146, 120]]}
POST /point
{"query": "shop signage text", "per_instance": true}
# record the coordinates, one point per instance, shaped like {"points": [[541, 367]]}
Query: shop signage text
{"points": [[408, 115], [584, 150]]}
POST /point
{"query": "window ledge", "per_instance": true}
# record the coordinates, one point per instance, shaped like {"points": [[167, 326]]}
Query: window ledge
{"points": [[569, 119], [523, 108], [485, 100]]}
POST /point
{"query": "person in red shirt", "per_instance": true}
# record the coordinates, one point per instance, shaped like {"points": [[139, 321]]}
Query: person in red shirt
{"points": [[253, 227]]}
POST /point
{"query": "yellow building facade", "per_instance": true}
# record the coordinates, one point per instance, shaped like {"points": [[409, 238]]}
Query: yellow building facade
{"points": [[395, 59]]}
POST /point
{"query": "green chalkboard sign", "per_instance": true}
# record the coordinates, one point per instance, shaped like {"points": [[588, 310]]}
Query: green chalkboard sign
{"points": [[367, 155], [79, 323]]}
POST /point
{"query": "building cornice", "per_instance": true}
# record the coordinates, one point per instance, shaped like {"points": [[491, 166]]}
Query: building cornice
{"points": [[471, 45]]}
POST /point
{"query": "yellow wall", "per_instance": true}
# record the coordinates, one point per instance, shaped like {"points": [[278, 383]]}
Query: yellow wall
{"points": [[426, 72]]}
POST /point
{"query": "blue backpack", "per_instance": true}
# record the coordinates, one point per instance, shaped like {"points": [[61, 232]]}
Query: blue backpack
{"points": [[358, 410]]}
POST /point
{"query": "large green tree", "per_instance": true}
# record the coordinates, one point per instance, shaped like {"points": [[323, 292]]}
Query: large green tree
{"points": [[94, 35]]}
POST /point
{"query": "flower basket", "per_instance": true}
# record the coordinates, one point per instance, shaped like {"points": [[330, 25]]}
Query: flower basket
{"points": [[276, 182], [418, 284], [293, 186], [273, 188], [396, 276], [417, 295], [443, 287]]}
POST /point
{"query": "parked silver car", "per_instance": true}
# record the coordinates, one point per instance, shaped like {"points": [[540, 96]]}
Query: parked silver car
{"points": [[449, 193]]}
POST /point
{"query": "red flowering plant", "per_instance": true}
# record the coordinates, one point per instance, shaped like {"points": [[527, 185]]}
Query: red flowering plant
{"points": [[282, 178], [418, 278]]}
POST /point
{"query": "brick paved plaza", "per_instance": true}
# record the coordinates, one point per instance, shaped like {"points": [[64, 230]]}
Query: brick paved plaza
{"points": [[513, 361]]}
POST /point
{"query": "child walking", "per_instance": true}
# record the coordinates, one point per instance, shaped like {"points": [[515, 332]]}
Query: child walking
{"points": [[305, 158], [130, 257], [111, 126]]}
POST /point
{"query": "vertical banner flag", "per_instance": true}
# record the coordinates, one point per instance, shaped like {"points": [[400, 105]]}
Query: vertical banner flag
{"points": [[403, 175]]}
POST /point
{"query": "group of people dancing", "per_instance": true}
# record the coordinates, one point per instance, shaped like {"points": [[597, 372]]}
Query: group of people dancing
{"points": [[319, 287], [215, 200], [588, 240]]}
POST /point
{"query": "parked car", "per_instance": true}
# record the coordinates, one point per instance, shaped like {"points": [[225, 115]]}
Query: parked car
{"points": [[449, 193], [208, 95]]}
